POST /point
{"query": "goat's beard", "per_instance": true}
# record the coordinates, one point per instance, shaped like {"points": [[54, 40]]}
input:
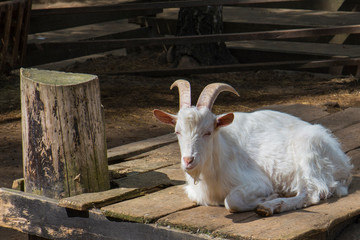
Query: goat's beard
{"points": [[195, 174]]}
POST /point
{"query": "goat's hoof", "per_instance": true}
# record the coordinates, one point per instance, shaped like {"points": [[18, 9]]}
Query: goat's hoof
{"points": [[263, 211]]}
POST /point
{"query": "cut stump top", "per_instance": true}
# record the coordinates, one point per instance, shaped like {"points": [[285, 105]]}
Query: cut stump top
{"points": [[56, 78]]}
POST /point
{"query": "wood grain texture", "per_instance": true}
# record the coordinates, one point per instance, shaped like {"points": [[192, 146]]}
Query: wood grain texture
{"points": [[41, 216], [149, 208], [64, 148]]}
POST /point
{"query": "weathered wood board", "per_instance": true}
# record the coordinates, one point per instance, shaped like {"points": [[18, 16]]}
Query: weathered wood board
{"points": [[127, 188], [151, 160], [41, 216], [349, 137], [341, 119], [314, 222], [290, 17], [300, 48], [132, 149], [305, 112], [44, 20], [149, 208], [282, 18], [355, 159], [90, 31]]}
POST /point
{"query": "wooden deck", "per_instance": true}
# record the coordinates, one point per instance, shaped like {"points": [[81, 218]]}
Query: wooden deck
{"points": [[148, 200]]}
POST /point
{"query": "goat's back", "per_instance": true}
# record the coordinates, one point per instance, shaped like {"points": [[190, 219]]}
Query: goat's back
{"points": [[289, 150]]}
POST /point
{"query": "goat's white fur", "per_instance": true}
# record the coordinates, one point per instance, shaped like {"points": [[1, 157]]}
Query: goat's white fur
{"points": [[264, 160]]}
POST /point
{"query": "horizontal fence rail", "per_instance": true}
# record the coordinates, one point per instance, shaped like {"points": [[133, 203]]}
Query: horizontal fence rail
{"points": [[199, 39], [149, 6]]}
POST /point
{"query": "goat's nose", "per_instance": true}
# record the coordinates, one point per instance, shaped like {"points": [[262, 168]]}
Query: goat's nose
{"points": [[188, 160]]}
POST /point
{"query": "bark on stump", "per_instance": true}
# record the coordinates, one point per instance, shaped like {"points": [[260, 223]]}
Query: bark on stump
{"points": [[64, 147]]}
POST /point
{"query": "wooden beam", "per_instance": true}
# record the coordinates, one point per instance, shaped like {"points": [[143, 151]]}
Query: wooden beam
{"points": [[149, 5], [138, 210], [132, 149], [198, 39], [301, 48], [36, 55], [244, 67], [41, 216], [129, 187], [85, 32], [44, 20]]}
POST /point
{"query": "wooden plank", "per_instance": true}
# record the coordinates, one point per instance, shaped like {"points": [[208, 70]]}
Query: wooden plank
{"points": [[132, 149], [56, 18], [127, 188], [289, 17], [303, 48], [42, 217], [349, 137], [305, 112], [197, 39], [149, 180], [149, 5], [205, 219], [96, 200], [340, 120], [284, 65], [60, 65], [148, 161], [44, 20], [174, 173], [315, 222], [38, 56], [149, 208], [355, 160], [90, 31]]}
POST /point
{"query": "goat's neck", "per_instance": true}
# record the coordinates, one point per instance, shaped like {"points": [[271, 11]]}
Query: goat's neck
{"points": [[213, 169]]}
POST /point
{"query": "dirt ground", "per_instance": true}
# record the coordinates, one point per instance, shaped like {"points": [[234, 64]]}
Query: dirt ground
{"points": [[129, 100]]}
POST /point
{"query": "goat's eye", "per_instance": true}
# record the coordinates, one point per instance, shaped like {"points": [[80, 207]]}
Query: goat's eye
{"points": [[177, 133], [207, 134]]}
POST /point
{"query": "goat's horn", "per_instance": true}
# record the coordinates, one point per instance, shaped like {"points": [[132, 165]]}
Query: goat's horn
{"points": [[184, 92], [210, 93]]}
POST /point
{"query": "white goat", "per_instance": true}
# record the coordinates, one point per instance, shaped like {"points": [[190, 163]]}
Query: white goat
{"points": [[265, 160]]}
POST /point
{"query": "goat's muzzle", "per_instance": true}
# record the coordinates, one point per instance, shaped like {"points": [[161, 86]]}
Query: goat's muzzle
{"points": [[188, 161]]}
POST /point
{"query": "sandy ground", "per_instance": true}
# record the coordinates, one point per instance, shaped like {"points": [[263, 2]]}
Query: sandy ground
{"points": [[129, 101]]}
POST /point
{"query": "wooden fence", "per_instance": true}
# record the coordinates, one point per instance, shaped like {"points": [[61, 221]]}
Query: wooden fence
{"points": [[263, 25], [14, 19]]}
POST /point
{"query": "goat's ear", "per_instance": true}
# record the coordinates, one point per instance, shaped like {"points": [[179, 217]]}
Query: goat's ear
{"points": [[224, 120], [164, 117]]}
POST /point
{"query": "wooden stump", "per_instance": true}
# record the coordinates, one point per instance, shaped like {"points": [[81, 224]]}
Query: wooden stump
{"points": [[64, 147]]}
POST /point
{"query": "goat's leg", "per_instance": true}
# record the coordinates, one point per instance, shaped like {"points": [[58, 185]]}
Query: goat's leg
{"points": [[278, 205], [242, 199]]}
